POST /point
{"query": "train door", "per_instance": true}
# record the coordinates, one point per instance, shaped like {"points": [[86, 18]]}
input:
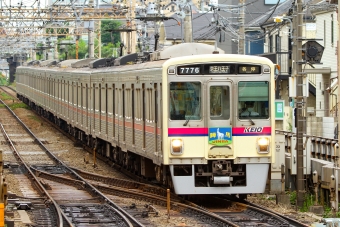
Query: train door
{"points": [[219, 107]]}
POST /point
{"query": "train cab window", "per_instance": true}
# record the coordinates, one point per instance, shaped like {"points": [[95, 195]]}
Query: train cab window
{"points": [[253, 100], [185, 100], [219, 103]]}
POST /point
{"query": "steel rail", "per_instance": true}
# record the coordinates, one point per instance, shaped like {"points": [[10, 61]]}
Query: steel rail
{"points": [[41, 188], [118, 210]]}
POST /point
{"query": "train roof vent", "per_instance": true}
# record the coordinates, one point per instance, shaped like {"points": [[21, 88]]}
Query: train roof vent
{"points": [[126, 59], [66, 63], [48, 63], [34, 62], [186, 49], [82, 63], [110, 61], [98, 63], [103, 62]]}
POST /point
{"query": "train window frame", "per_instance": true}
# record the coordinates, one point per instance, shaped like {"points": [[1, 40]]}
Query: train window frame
{"points": [[138, 94], [224, 102], [100, 98], [128, 102], [103, 97], [251, 104], [179, 108], [113, 104], [149, 105]]}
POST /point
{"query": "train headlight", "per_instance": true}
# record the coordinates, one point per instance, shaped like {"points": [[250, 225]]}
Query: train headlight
{"points": [[176, 146], [263, 145]]}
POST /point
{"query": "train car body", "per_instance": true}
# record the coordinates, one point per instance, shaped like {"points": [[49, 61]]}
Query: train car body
{"points": [[199, 122]]}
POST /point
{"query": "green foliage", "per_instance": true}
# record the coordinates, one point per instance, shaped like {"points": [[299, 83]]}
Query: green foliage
{"points": [[18, 105], [307, 203], [3, 80], [34, 117], [4, 96], [109, 40], [71, 50], [292, 197], [327, 212], [110, 36], [109, 50]]}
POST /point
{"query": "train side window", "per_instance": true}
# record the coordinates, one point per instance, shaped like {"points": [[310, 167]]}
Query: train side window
{"points": [[103, 97], [138, 114], [185, 100], [156, 102], [128, 107], [219, 102], [149, 105]]}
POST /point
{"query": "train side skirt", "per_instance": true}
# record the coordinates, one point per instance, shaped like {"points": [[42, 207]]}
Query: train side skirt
{"points": [[257, 175]]}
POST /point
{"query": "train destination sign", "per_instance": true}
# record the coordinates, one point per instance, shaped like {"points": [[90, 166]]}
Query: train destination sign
{"points": [[249, 69], [218, 68]]}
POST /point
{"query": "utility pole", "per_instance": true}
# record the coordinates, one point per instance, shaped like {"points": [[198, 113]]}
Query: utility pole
{"points": [[299, 77], [241, 30], [337, 108], [91, 34]]}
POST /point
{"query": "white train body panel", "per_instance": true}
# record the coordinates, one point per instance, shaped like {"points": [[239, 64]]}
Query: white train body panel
{"points": [[187, 114]]}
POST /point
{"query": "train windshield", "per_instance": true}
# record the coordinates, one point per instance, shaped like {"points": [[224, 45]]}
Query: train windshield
{"points": [[185, 101], [253, 99]]}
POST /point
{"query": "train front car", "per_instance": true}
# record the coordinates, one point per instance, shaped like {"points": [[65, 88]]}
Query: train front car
{"points": [[218, 123]]}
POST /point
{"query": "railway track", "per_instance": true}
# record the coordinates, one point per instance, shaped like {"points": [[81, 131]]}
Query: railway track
{"points": [[68, 205], [53, 176], [240, 212]]}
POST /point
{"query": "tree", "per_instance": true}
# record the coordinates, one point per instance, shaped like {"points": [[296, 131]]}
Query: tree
{"points": [[110, 36], [71, 49], [82, 50], [110, 50]]}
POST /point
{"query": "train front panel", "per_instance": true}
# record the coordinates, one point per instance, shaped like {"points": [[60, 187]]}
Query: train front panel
{"points": [[218, 123]]}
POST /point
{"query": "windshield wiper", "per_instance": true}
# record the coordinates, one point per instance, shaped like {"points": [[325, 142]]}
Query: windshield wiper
{"points": [[187, 121], [248, 117], [252, 122]]}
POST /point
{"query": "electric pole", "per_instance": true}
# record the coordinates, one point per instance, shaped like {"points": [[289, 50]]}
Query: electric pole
{"points": [[300, 78], [241, 30], [337, 107]]}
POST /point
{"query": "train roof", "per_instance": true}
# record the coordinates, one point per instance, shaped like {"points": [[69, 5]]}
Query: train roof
{"points": [[145, 59]]}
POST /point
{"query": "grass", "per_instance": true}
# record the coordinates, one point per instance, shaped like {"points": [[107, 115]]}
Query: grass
{"points": [[14, 106], [33, 117], [309, 201], [4, 96]]}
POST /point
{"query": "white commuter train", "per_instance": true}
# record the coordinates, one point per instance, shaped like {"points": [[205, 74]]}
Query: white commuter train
{"points": [[198, 122]]}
